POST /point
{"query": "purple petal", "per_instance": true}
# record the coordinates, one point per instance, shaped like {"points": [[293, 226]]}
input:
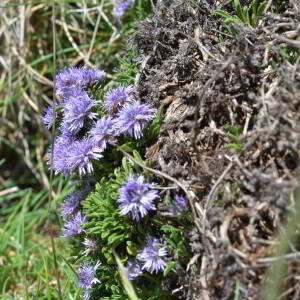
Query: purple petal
{"points": [[152, 256], [133, 118], [137, 197], [103, 132], [73, 227], [77, 108], [115, 98]]}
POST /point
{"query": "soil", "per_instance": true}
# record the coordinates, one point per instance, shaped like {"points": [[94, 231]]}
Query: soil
{"points": [[230, 133]]}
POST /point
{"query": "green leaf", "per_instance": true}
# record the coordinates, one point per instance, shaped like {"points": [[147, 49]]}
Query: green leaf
{"points": [[137, 156], [115, 238], [246, 15], [125, 164], [222, 13], [170, 266], [170, 228], [238, 9], [128, 147], [228, 18], [234, 130], [105, 234], [261, 9], [254, 6], [236, 147]]}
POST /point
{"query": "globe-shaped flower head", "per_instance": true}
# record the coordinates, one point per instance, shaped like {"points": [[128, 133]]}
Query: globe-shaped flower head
{"points": [[134, 117], [137, 197], [60, 153], [103, 132], [77, 108], [80, 155], [87, 278], [75, 78], [72, 202], [152, 256]]}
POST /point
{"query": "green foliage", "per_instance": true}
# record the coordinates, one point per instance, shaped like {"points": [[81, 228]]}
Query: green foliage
{"points": [[236, 139], [119, 234], [111, 230], [175, 237], [104, 220], [25, 249], [128, 69], [153, 130], [126, 283], [247, 15]]}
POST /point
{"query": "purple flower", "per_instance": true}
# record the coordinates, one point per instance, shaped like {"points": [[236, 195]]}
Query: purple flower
{"points": [[48, 116], [69, 155], [91, 75], [133, 270], [73, 227], [179, 205], [76, 108], [80, 155], [133, 118], [87, 278], [76, 78], [120, 7], [117, 97], [60, 155], [72, 202], [66, 136], [137, 197], [152, 256], [103, 132]]}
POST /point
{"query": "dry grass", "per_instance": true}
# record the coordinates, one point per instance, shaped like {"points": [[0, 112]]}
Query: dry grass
{"points": [[85, 35]]}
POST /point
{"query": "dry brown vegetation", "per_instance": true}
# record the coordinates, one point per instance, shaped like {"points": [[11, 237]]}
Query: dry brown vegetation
{"points": [[231, 134]]}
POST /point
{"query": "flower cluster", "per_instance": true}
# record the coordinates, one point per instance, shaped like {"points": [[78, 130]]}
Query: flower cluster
{"points": [[117, 97], [70, 152], [126, 116], [103, 132], [137, 197], [133, 118], [87, 278], [82, 138], [71, 155], [77, 109]]}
